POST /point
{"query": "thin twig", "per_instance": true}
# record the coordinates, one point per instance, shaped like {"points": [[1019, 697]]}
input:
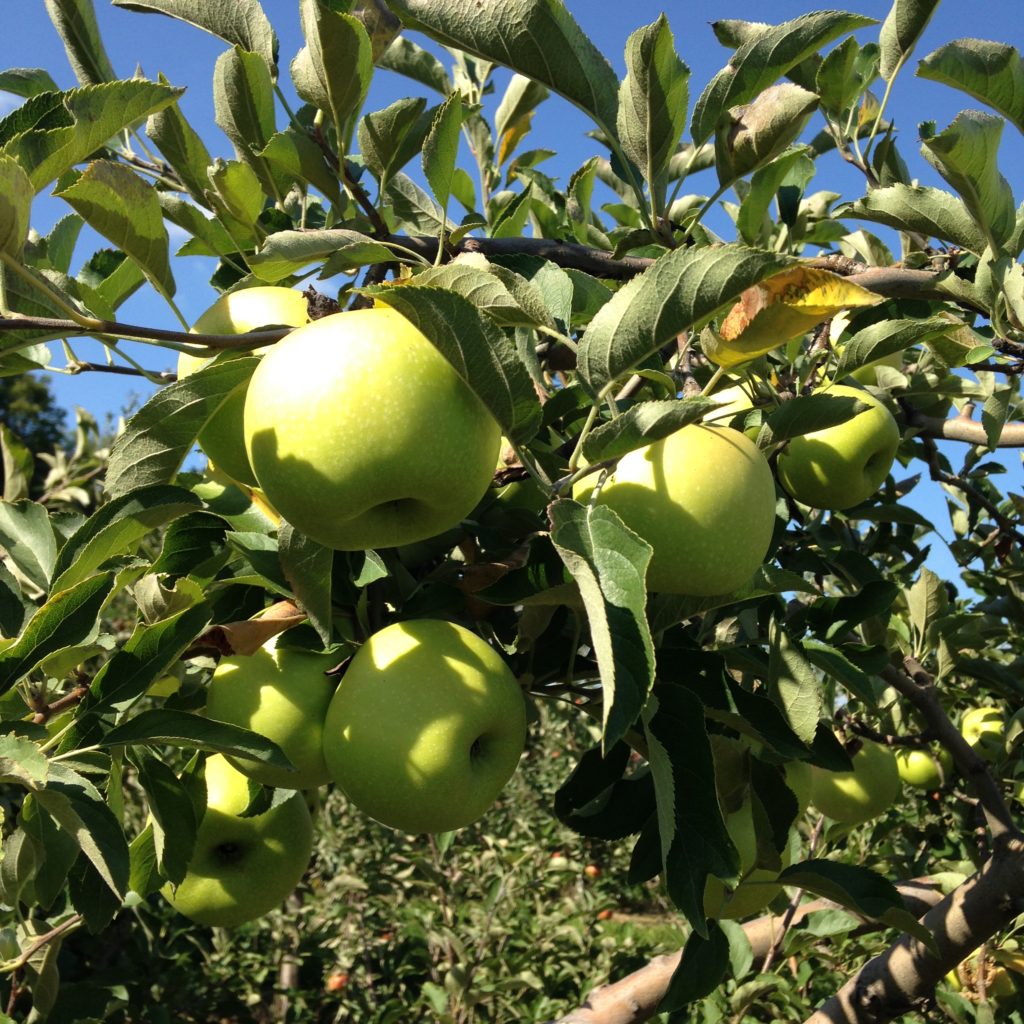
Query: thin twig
{"points": [[164, 376]]}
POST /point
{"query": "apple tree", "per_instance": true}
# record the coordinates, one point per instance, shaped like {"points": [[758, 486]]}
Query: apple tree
{"points": [[738, 412]]}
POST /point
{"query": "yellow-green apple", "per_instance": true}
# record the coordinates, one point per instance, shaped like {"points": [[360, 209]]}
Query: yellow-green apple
{"points": [[924, 769], [865, 792], [222, 439], [362, 435], [282, 694], [841, 466], [757, 886], [241, 868], [704, 499], [984, 729], [798, 778], [426, 727]]}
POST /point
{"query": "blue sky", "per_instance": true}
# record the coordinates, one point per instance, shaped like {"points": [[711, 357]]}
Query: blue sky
{"points": [[187, 55]]}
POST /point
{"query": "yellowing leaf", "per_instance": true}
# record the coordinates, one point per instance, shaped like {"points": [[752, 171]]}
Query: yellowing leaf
{"points": [[780, 308], [513, 135]]}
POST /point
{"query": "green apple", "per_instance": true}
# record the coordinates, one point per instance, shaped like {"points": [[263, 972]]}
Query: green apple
{"points": [[427, 726], [798, 777], [924, 769], [868, 373], [281, 694], [222, 439], [362, 435], [984, 729], [704, 499], [841, 466], [241, 868], [865, 792]]}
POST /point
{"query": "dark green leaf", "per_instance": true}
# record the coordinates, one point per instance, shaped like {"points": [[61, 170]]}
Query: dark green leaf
{"points": [[480, 353], [75, 22], [901, 30], [441, 149], [164, 726], [763, 58], [307, 567], [407, 58], [240, 22], [988, 71], [68, 618], [174, 820], [523, 35], [682, 289], [27, 537], [609, 564], [160, 435], [643, 424], [700, 971], [181, 147], [287, 252]]}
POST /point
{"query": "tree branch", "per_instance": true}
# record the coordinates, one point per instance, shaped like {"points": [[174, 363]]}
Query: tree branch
{"points": [[963, 428], [903, 978], [635, 998]]}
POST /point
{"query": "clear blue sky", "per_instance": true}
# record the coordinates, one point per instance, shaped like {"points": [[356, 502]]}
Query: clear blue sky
{"points": [[187, 55]]}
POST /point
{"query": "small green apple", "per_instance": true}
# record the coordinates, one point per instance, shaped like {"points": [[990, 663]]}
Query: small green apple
{"points": [[362, 435], [865, 792], [222, 439], [426, 727], [704, 499], [281, 694], [841, 466], [241, 868], [984, 729], [924, 769]]}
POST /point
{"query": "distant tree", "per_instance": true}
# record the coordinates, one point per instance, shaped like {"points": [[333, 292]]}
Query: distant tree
{"points": [[29, 410]]}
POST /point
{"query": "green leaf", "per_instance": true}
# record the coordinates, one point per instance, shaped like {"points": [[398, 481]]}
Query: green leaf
{"points": [[927, 601], [808, 413], [845, 74], [836, 665], [792, 166], [307, 567], [237, 194], [885, 337], [480, 353], [98, 112], [243, 103], [990, 72], [653, 101], [922, 210], [965, 155], [901, 30], [752, 135], [240, 22], [27, 82], [609, 564], [864, 892], [441, 149], [164, 726], [643, 424], [159, 436], [515, 112], [793, 684], [27, 537], [681, 290], [762, 59], [701, 969], [287, 252], [413, 207], [297, 157], [117, 528], [18, 463], [333, 70], [14, 609], [181, 147], [75, 22], [694, 840], [144, 657], [22, 762], [80, 810], [994, 414], [523, 35], [407, 58], [390, 138], [173, 814], [15, 206], [122, 207], [68, 618]]}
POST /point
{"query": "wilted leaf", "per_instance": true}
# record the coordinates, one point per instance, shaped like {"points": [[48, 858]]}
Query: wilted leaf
{"points": [[782, 307]]}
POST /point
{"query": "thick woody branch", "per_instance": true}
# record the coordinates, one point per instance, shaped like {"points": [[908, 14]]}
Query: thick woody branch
{"points": [[903, 978], [963, 428], [635, 998]]}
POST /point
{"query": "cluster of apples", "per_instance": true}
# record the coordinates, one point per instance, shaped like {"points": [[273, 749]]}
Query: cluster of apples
{"points": [[385, 445]]}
